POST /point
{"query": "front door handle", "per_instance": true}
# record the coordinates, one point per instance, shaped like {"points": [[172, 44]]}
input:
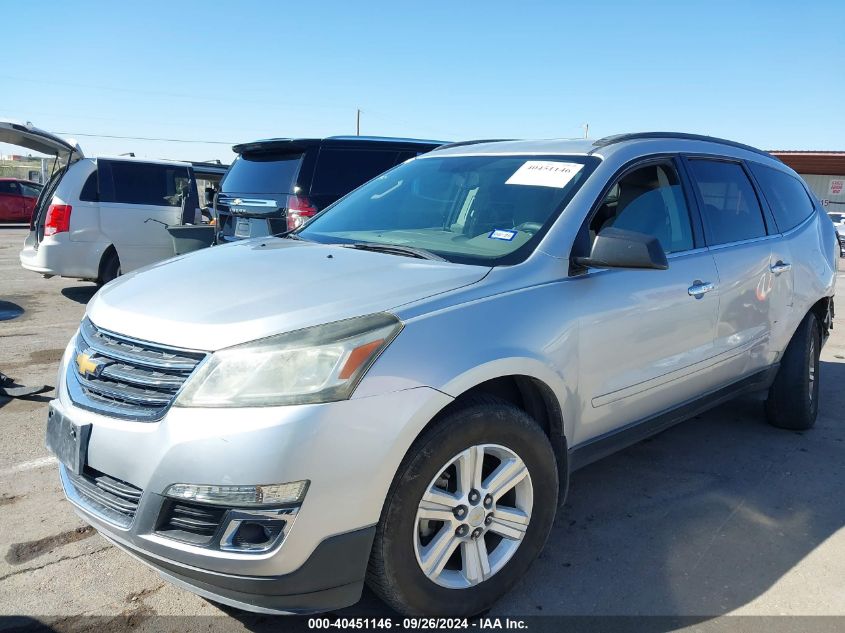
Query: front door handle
{"points": [[780, 267], [699, 288]]}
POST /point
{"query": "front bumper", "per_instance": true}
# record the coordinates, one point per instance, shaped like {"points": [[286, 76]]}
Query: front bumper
{"points": [[348, 450]]}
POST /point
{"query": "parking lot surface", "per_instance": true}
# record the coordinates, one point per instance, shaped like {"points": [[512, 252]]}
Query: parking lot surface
{"points": [[722, 515]]}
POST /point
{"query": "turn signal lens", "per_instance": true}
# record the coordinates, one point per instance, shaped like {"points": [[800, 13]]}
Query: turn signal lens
{"points": [[233, 496]]}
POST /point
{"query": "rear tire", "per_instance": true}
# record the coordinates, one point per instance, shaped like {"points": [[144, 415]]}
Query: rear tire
{"points": [[109, 269], [466, 581], [793, 401]]}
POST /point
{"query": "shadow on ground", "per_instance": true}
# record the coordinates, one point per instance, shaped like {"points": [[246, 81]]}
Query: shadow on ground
{"points": [[697, 521], [80, 294]]}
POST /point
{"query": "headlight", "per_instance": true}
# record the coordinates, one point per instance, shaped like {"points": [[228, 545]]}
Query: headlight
{"points": [[318, 364]]}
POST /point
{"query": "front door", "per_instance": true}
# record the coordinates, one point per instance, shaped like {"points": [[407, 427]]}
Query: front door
{"points": [[646, 335]]}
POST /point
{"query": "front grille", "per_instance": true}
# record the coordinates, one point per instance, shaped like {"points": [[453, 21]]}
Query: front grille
{"points": [[191, 522], [112, 499], [124, 377]]}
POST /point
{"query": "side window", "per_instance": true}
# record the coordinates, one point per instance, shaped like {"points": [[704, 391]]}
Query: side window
{"points": [[144, 183], [339, 171], [29, 190], [648, 200], [786, 195], [90, 189], [730, 210], [10, 188]]}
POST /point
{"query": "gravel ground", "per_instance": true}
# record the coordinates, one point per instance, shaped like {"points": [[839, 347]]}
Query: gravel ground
{"points": [[720, 516]]}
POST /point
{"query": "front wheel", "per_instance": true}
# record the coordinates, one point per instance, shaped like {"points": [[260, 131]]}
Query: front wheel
{"points": [[468, 512]]}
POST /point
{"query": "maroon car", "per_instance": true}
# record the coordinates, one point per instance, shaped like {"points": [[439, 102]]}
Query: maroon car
{"points": [[17, 199]]}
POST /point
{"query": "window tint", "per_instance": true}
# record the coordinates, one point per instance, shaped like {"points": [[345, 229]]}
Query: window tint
{"points": [[89, 189], [731, 210], [786, 196], [9, 187], [648, 200], [262, 173], [30, 190], [339, 171], [143, 183]]}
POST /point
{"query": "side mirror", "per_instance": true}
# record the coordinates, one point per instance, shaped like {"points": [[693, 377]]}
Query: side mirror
{"points": [[618, 248]]}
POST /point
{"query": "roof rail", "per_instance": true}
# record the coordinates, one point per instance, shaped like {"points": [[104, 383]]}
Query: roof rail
{"points": [[621, 138], [475, 142]]}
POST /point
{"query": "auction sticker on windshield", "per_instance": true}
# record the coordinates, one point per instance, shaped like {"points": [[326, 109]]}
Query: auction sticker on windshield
{"points": [[544, 173]]}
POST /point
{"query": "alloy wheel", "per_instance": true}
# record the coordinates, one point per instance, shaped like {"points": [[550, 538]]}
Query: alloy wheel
{"points": [[473, 516]]}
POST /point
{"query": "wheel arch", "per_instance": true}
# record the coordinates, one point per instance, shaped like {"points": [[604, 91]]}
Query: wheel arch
{"points": [[527, 392], [107, 252]]}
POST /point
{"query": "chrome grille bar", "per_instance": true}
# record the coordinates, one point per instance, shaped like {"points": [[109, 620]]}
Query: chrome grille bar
{"points": [[124, 377]]}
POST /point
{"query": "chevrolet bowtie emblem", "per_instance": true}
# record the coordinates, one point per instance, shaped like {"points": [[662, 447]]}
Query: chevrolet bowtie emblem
{"points": [[87, 366], [237, 201]]}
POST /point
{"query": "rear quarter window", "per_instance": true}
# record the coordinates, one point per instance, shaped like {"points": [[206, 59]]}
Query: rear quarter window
{"points": [[786, 195], [339, 171], [143, 183]]}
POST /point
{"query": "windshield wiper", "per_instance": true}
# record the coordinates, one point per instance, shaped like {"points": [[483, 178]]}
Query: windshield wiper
{"points": [[395, 249]]}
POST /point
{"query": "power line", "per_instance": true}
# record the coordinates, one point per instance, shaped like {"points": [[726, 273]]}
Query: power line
{"points": [[147, 138]]}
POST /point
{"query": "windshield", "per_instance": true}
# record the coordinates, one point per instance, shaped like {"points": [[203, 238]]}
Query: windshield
{"points": [[470, 209], [262, 173]]}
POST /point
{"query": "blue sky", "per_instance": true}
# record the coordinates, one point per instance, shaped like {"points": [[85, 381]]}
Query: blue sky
{"points": [[771, 74]]}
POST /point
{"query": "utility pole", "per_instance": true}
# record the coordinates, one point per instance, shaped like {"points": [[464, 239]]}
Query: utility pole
{"points": [[358, 123], [586, 127]]}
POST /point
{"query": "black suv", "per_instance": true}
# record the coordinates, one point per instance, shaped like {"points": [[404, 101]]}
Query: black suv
{"points": [[275, 185]]}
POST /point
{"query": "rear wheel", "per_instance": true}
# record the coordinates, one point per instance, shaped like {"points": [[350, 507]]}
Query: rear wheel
{"points": [[109, 269], [470, 509], [793, 401]]}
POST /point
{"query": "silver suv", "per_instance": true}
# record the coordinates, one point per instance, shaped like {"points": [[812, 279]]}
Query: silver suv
{"points": [[455, 337]]}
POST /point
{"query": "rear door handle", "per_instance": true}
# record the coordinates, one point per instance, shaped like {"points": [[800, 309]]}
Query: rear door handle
{"points": [[699, 288], [780, 267]]}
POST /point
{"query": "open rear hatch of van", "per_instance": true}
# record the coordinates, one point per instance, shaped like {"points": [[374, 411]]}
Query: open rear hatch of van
{"points": [[64, 152]]}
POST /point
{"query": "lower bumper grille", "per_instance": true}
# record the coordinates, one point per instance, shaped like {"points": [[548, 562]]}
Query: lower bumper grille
{"points": [[112, 499], [190, 522]]}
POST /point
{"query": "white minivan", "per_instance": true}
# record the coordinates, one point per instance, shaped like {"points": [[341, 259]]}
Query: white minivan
{"points": [[100, 217]]}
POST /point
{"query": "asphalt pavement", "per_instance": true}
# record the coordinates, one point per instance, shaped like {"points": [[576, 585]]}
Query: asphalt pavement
{"points": [[720, 516]]}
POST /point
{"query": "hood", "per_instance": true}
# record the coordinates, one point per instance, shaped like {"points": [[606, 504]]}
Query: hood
{"points": [[247, 290], [28, 136]]}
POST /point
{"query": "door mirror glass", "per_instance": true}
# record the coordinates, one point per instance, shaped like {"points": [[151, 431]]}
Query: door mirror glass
{"points": [[620, 248]]}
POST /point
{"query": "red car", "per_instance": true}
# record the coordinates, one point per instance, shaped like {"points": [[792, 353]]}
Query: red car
{"points": [[17, 199]]}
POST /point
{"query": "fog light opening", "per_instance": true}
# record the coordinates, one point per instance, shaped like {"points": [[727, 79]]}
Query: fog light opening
{"points": [[254, 535]]}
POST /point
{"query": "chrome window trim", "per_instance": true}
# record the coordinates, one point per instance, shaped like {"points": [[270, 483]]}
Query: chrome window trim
{"points": [[753, 240]]}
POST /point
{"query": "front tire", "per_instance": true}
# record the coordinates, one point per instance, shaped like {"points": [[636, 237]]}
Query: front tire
{"points": [[793, 401], [469, 510]]}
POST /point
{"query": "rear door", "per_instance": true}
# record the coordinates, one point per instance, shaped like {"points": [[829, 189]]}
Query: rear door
{"points": [[138, 201], [11, 201], [753, 294], [255, 192]]}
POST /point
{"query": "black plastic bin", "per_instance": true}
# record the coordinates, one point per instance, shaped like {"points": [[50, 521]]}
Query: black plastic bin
{"points": [[191, 237]]}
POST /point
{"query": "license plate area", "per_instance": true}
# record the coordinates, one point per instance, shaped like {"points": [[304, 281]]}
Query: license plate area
{"points": [[67, 440], [242, 227]]}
